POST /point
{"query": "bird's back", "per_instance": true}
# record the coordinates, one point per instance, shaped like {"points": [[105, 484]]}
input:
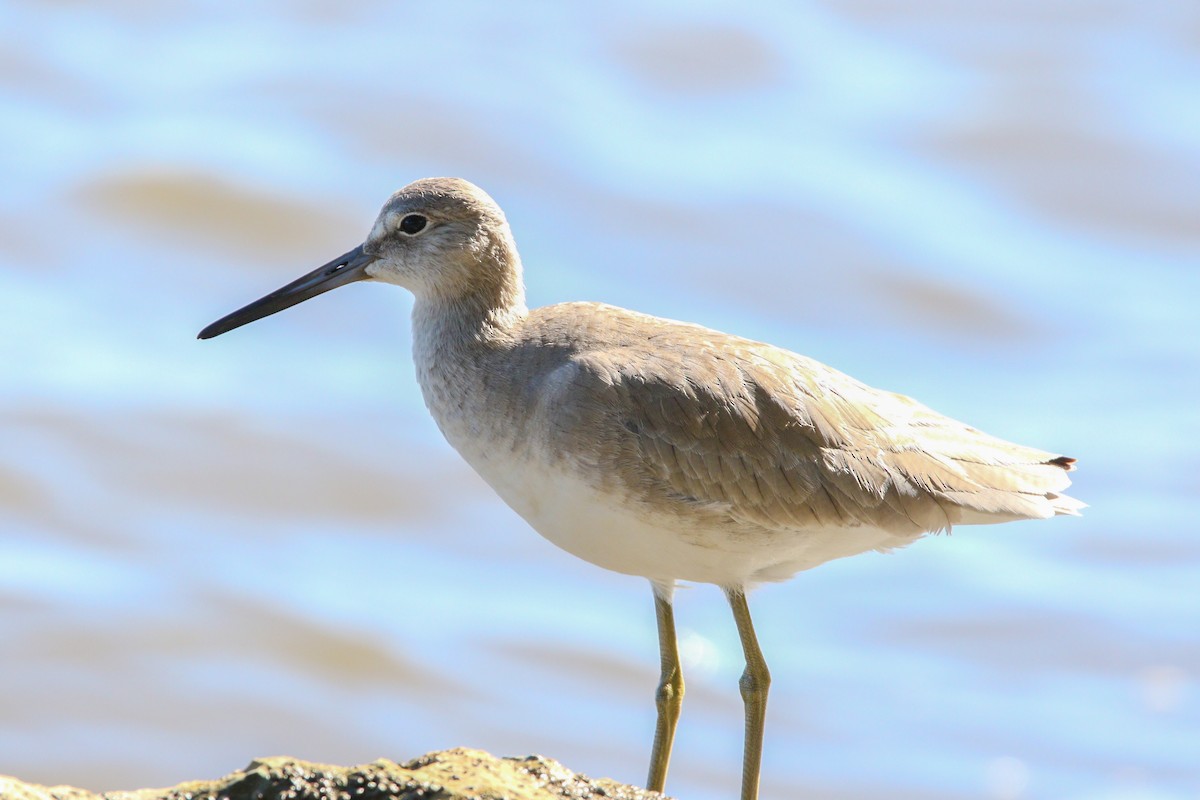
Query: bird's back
{"points": [[721, 429]]}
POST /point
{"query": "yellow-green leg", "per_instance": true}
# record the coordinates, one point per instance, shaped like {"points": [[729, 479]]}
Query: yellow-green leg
{"points": [[755, 682], [669, 697]]}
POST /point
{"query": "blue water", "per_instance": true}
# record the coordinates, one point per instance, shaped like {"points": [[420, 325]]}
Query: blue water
{"points": [[216, 551]]}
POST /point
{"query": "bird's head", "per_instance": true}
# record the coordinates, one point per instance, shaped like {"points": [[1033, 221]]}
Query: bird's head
{"points": [[443, 239]]}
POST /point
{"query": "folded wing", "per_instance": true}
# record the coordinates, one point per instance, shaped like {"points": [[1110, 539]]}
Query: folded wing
{"points": [[771, 438]]}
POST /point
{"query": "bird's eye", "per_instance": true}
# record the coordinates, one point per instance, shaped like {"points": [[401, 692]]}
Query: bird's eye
{"points": [[412, 223]]}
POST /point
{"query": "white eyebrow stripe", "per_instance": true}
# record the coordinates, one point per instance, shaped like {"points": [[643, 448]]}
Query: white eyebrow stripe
{"points": [[382, 225]]}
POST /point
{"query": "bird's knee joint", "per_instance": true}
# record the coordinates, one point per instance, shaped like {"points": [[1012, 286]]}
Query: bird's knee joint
{"points": [[670, 690], [755, 683]]}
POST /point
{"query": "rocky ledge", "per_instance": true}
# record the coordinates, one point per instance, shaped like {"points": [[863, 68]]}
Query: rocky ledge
{"points": [[458, 774]]}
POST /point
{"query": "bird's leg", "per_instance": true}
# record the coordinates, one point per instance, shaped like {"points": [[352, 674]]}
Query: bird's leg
{"points": [[669, 697], [755, 682]]}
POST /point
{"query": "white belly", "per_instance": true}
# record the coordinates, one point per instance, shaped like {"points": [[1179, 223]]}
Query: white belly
{"points": [[608, 531], [562, 501]]}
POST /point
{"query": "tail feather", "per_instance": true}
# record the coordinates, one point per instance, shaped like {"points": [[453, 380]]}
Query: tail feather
{"points": [[1065, 506], [1061, 503], [1025, 491]]}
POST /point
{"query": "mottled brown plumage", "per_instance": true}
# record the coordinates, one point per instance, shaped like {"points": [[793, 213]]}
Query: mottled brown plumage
{"points": [[732, 431]]}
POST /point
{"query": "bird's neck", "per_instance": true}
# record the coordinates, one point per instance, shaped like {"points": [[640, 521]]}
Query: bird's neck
{"points": [[456, 347], [456, 338], [480, 310], [448, 326]]}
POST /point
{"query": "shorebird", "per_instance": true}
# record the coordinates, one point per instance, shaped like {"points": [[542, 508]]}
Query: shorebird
{"points": [[664, 449]]}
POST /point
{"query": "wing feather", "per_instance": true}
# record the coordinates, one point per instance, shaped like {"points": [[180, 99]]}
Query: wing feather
{"points": [[766, 437]]}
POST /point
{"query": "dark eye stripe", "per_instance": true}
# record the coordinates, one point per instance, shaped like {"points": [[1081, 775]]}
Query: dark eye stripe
{"points": [[413, 223]]}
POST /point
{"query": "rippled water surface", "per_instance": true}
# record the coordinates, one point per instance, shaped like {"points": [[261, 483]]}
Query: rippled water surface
{"points": [[260, 544]]}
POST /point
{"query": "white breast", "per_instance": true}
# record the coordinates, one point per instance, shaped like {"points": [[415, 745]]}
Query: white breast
{"points": [[560, 503], [491, 424]]}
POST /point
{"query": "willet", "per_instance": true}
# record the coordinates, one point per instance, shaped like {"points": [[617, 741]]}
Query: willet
{"points": [[664, 449]]}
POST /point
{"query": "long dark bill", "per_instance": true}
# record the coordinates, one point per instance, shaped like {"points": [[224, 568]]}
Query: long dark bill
{"points": [[346, 269]]}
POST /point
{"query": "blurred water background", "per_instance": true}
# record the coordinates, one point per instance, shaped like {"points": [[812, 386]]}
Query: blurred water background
{"points": [[260, 544]]}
